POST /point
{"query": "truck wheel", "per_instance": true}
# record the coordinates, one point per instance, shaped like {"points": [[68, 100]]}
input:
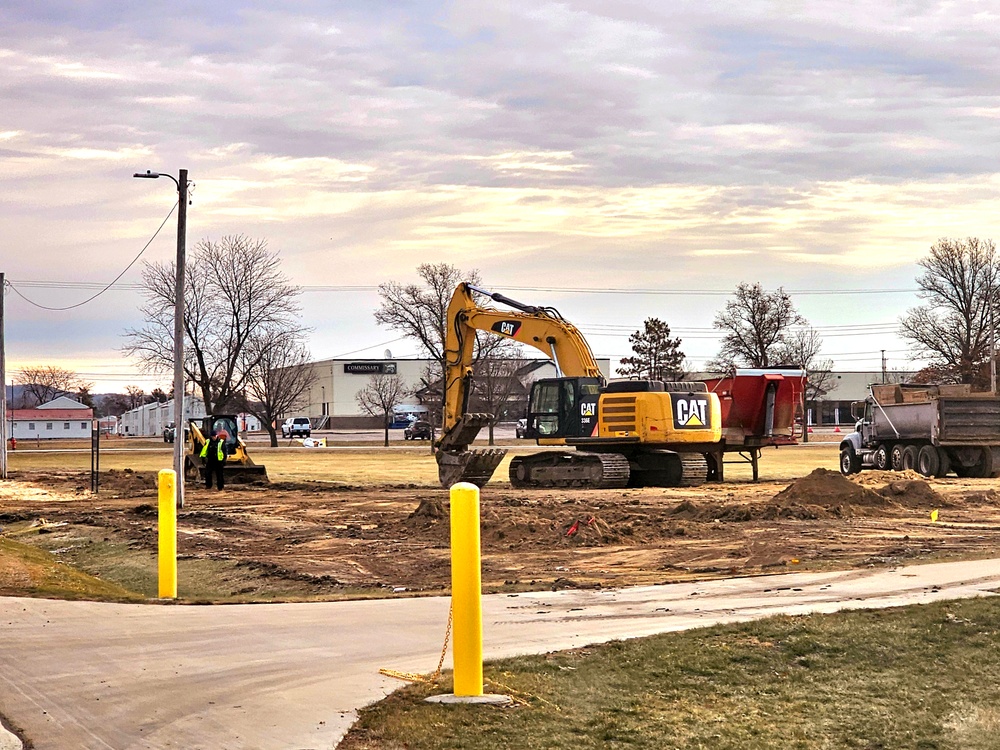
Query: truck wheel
{"points": [[945, 462], [849, 462], [910, 454], [983, 468], [928, 461], [881, 458], [896, 457]]}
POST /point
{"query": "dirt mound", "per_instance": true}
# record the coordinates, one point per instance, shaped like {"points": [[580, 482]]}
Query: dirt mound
{"points": [[989, 497], [429, 509], [128, 483], [826, 490], [877, 478], [913, 493]]}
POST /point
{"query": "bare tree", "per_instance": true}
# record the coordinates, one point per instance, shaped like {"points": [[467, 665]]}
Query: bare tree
{"points": [[756, 327], [419, 311], [379, 396], [42, 383], [657, 356], [801, 348], [495, 376], [135, 395], [952, 330], [233, 290], [279, 378]]}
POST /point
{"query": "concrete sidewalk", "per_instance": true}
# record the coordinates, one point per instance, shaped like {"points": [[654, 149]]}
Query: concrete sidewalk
{"points": [[116, 677]]}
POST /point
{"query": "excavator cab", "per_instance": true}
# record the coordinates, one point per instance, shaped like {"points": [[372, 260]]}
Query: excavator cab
{"points": [[561, 408]]}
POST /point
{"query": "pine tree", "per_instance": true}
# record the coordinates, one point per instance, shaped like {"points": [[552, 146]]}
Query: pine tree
{"points": [[657, 356]]}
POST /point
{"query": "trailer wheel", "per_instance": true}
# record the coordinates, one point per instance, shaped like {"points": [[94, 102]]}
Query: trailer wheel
{"points": [[881, 458], [849, 462], [910, 454], [896, 457], [928, 461]]}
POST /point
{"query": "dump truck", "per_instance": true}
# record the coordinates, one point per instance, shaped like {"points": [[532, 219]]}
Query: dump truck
{"points": [[239, 467], [935, 430]]}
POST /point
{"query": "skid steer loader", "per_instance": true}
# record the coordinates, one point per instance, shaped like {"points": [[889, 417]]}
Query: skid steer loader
{"points": [[239, 467]]}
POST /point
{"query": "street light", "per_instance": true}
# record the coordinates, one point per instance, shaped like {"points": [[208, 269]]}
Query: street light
{"points": [[182, 200]]}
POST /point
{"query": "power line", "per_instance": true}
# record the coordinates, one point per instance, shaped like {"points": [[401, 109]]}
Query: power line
{"points": [[313, 288], [108, 286]]}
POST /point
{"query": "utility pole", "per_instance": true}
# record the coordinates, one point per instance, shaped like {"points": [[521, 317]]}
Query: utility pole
{"points": [[993, 356], [182, 204], [884, 374], [3, 388], [182, 198]]}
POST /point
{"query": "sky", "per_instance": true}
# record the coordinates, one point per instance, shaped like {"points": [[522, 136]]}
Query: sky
{"points": [[615, 160]]}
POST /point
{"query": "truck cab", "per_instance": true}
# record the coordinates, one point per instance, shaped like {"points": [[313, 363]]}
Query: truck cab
{"points": [[856, 449]]}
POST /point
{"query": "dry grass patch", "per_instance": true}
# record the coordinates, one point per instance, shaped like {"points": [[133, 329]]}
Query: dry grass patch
{"points": [[28, 570]]}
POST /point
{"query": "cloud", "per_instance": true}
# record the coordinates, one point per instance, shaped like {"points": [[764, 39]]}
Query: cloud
{"points": [[578, 142]]}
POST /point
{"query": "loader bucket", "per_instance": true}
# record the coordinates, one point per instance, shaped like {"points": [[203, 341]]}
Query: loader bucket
{"points": [[244, 474], [475, 466]]}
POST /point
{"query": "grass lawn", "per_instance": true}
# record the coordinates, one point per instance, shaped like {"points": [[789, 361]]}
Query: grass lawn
{"points": [[367, 465], [919, 677]]}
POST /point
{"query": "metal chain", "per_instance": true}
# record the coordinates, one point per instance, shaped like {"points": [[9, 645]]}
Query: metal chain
{"points": [[413, 676]]}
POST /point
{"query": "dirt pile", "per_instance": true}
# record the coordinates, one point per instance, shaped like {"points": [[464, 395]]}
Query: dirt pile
{"points": [[913, 493], [128, 483], [828, 489]]}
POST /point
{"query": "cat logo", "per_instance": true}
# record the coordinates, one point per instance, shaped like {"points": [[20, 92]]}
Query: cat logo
{"points": [[587, 409], [506, 327], [690, 410]]}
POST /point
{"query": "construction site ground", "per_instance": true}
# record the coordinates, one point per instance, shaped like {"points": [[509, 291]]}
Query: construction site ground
{"points": [[361, 520]]}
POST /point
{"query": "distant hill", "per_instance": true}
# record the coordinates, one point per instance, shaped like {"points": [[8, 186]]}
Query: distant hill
{"points": [[15, 393]]}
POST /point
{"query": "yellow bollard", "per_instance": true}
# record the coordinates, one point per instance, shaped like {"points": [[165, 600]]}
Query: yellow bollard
{"points": [[466, 590], [168, 534]]}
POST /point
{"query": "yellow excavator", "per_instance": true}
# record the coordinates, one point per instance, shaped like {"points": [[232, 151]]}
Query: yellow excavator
{"points": [[624, 432], [239, 467]]}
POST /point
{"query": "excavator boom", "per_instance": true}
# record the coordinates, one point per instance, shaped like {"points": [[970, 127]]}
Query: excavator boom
{"points": [[540, 327]]}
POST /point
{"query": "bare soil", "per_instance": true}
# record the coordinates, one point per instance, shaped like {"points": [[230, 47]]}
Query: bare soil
{"points": [[328, 540]]}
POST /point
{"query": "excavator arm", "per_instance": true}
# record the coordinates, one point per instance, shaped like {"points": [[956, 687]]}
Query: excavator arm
{"points": [[540, 327]]}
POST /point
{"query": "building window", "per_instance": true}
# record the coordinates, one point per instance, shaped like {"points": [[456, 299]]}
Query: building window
{"points": [[48, 425], [31, 425], [65, 425], [83, 425]]}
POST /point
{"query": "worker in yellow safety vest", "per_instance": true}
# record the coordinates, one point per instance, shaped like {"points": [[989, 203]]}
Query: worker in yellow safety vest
{"points": [[214, 454]]}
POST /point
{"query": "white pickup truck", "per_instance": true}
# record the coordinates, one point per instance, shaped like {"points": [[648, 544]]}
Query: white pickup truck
{"points": [[296, 427]]}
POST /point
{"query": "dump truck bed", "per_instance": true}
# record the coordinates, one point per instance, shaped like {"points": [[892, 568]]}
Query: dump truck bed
{"points": [[945, 420]]}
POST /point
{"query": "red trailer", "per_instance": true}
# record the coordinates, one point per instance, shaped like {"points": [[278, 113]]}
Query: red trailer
{"points": [[759, 409]]}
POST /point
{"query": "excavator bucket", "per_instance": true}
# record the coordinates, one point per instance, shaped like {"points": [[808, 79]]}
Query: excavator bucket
{"points": [[475, 466], [457, 462]]}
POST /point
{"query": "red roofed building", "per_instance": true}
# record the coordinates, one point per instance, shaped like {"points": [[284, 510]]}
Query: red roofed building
{"points": [[60, 418]]}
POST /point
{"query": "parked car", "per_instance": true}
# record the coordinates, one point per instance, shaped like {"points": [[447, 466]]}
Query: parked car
{"points": [[419, 430], [169, 433], [521, 429], [296, 427]]}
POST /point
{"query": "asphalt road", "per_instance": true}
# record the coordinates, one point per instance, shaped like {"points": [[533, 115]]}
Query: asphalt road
{"points": [[116, 677]]}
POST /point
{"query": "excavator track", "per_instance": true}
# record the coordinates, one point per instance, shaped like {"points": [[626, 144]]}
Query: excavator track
{"points": [[565, 469], [694, 469], [665, 468]]}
